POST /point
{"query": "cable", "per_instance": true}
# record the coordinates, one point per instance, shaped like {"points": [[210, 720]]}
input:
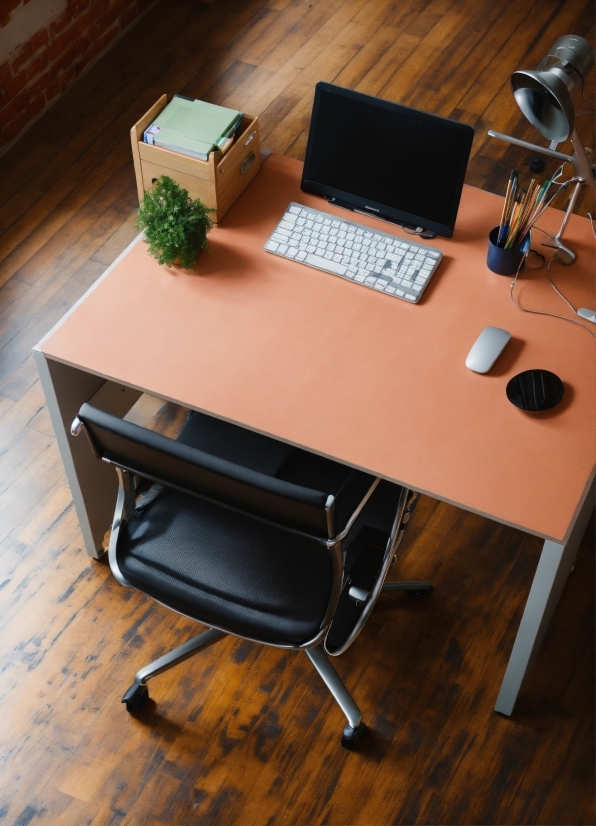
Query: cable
{"points": [[419, 231], [544, 312]]}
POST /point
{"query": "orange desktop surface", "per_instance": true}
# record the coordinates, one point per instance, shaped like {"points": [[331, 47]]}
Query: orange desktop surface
{"points": [[356, 375]]}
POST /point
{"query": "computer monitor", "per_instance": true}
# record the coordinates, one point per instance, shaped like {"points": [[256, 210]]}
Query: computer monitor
{"points": [[386, 160]]}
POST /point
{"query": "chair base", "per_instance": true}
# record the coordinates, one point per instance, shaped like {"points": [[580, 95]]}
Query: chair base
{"points": [[138, 693]]}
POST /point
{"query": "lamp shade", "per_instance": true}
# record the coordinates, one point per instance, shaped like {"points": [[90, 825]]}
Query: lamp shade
{"points": [[544, 95]]}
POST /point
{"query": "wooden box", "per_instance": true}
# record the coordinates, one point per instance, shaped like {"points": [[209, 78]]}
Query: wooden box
{"points": [[217, 181]]}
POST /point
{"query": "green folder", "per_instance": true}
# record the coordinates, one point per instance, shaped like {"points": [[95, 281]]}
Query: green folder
{"points": [[192, 126]]}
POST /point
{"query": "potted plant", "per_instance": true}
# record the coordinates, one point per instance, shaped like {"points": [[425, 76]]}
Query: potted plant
{"points": [[175, 225]]}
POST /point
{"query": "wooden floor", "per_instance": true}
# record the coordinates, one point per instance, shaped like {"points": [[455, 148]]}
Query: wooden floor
{"points": [[243, 734]]}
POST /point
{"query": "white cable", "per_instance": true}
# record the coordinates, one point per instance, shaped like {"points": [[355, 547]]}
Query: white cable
{"points": [[544, 312]]}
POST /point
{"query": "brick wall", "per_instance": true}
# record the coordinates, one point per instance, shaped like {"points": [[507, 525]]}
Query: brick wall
{"points": [[38, 70]]}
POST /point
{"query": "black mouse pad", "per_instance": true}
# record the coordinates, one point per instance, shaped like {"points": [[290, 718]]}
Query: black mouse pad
{"points": [[535, 390]]}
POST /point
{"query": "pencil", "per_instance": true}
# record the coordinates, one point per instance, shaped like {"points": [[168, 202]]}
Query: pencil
{"points": [[509, 206], [515, 218], [505, 207], [538, 200], [524, 224]]}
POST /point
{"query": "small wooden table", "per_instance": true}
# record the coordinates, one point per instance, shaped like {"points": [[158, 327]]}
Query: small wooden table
{"points": [[347, 372]]}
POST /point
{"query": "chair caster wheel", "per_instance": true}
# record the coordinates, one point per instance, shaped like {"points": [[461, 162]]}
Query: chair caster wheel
{"points": [[351, 735], [135, 696]]}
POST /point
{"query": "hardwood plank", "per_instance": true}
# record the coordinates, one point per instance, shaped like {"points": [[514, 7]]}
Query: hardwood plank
{"points": [[276, 31], [287, 116], [80, 225], [20, 453], [57, 299], [118, 241], [316, 30], [5, 404], [243, 733], [19, 380]]}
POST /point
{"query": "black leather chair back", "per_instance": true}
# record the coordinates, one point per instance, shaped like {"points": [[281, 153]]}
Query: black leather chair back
{"points": [[156, 457]]}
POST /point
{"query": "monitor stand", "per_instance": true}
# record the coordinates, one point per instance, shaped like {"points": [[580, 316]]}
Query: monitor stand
{"points": [[411, 227]]}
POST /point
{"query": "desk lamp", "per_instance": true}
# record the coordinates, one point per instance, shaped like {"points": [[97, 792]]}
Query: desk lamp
{"points": [[544, 96]]}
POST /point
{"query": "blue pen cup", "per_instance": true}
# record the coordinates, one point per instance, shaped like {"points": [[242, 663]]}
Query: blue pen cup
{"points": [[500, 260]]}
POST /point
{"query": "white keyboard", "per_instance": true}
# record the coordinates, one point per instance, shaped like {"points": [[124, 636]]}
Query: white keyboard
{"points": [[368, 257]]}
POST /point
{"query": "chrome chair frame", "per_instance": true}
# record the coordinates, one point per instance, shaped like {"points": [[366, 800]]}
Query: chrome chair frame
{"points": [[315, 648]]}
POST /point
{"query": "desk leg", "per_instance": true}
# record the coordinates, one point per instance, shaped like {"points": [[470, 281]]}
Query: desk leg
{"points": [[554, 566], [93, 484]]}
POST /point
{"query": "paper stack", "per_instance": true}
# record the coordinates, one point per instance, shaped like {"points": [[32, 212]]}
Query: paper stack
{"points": [[193, 127]]}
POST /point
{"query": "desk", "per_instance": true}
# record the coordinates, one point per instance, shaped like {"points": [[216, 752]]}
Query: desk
{"points": [[328, 365]]}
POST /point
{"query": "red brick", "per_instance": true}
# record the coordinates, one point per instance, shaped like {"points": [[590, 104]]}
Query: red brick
{"points": [[104, 38], [29, 49], [79, 6], [36, 66], [57, 26], [15, 84], [59, 45], [39, 84], [84, 24], [66, 76]]}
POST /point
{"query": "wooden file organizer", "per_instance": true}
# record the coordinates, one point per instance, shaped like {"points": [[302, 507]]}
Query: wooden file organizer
{"points": [[217, 181]]}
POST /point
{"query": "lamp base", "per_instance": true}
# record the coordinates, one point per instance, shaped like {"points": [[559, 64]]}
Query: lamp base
{"points": [[563, 254]]}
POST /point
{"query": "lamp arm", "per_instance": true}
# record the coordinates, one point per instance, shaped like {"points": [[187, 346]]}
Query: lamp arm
{"points": [[580, 161], [527, 145]]}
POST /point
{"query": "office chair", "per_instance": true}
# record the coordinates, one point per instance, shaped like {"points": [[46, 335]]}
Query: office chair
{"points": [[251, 537]]}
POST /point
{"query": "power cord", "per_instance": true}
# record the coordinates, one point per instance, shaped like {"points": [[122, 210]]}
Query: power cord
{"points": [[544, 312], [419, 231]]}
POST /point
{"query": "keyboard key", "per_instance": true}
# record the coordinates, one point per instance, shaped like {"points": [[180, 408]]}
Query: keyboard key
{"points": [[323, 263], [378, 260]]}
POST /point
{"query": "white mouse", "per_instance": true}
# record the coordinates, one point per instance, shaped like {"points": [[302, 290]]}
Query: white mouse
{"points": [[487, 348]]}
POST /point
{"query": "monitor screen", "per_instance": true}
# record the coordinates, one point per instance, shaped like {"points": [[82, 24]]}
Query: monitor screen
{"points": [[385, 159]]}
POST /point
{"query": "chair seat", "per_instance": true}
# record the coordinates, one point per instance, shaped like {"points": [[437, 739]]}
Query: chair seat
{"points": [[226, 569]]}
